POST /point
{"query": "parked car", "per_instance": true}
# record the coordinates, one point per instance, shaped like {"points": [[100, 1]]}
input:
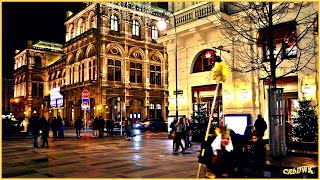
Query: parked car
{"points": [[154, 124]]}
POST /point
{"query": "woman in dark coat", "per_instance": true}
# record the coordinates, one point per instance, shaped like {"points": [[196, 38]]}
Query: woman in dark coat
{"points": [[78, 126], [45, 132], [254, 154]]}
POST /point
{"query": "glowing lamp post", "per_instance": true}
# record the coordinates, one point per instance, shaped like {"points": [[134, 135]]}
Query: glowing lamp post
{"points": [[162, 25]]}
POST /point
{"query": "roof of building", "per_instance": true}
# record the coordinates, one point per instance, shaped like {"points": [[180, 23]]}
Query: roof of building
{"points": [[45, 45]]}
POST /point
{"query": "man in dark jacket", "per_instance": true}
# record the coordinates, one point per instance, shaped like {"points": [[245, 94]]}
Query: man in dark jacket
{"points": [[260, 125], [35, 128], [78, 126]]}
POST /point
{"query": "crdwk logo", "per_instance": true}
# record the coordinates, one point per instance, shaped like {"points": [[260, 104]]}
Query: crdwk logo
{"points": [[298, 170]]}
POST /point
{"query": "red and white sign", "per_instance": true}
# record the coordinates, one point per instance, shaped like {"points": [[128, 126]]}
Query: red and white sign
{"points": [[85, 94]]}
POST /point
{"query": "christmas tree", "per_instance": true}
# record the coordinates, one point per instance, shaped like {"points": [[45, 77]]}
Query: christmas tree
{"points": [[200, 118], [306, 122]]}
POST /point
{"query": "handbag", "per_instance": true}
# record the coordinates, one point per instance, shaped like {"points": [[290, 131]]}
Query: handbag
{"points": [[173, 135]]}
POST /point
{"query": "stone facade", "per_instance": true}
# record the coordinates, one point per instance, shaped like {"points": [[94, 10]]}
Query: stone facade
{"points": [[197, 32], [111, 51]]}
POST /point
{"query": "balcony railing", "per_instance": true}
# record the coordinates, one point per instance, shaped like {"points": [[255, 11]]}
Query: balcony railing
{"points": [[195, 13]]}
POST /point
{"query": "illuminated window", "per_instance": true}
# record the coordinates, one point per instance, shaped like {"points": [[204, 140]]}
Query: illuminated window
{"points": [[135, 28], [205, 61], [114, 23], [154, 33]]}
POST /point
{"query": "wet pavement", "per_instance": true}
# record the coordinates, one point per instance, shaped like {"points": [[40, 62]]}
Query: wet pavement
{"points": [[147, 155]]}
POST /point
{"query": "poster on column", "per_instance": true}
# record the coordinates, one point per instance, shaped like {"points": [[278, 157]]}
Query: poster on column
{"points": [[85, 104]]}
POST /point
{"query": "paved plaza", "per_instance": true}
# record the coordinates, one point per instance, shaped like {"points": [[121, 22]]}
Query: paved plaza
{"points": [[147, 155]]}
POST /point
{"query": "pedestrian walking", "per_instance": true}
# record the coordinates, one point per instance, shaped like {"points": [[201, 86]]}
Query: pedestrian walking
{"points": [[180, 134], [95, 127], [59, 127], [78, 126], [128, 128], [109, 127], [24, 125], [63, 127], [260, 125], [44, 124], [188, 142], [35, 129], [173, 127], [54, 127], [101, 127]]}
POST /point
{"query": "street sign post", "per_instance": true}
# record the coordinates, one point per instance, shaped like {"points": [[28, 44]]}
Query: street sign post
{"points": [[86, 107]]}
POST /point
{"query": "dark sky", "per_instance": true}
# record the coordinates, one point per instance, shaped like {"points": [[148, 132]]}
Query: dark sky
{"points": [[33, 21]]}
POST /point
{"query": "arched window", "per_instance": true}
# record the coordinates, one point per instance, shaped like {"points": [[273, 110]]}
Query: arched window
{"points": [[205, 61], [154, 33], [90, 70], [94, 69], [91, 52], [72, 33], [70, 76], [37, 61], [114, 23], [135, 72], [92, 23], [135, 28], [81, 28], [114, 70]]}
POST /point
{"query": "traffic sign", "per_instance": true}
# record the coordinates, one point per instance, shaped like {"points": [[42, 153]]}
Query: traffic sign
{"points": [[85, 94], [178, 92], [85, 104]]}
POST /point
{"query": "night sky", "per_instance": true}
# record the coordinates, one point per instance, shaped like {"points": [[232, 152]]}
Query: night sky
{"points": [[33, 21]]}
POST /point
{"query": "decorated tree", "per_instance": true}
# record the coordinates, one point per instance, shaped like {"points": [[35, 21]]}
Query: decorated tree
{"points": [[200, 119], [305, 127]]}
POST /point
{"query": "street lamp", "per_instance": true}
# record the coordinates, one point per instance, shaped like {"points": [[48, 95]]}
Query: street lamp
{"points": [[162, 25]]}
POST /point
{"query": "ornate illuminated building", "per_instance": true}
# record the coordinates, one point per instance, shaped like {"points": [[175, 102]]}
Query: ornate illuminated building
{"points": [[199, 35], [111, 50], [31, 78]]}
